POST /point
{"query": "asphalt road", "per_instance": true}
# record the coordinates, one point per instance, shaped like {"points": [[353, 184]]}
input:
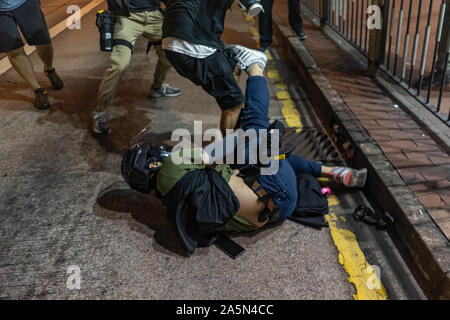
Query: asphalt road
{"points": [[65, 207]]}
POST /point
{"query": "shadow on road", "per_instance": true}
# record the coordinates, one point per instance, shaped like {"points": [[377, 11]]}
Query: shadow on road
{"points": [[115, 202]]}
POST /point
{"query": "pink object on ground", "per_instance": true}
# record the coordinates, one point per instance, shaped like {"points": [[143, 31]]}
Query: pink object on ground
{"points": [[326, 191]]}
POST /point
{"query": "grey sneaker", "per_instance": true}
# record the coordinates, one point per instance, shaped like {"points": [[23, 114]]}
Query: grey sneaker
{"points": [[101, 122], [246, 57], [302, 36], [349, 177], [164, 91]]}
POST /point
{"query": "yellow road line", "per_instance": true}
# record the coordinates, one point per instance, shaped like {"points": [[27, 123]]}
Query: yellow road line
{"points": [[361, 274]]}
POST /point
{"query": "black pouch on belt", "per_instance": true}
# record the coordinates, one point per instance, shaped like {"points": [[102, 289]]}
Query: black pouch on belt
{"points": [[105, 25]]}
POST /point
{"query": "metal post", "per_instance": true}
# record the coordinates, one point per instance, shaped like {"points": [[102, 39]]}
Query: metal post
{"points": [[324, 12], [377, 39]]}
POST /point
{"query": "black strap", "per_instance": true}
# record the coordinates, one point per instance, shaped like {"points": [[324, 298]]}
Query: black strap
{"points": [[125, 43], [367, 215]]}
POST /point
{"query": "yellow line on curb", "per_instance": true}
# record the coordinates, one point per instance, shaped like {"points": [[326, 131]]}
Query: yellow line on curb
{"points": [[361, 274]]}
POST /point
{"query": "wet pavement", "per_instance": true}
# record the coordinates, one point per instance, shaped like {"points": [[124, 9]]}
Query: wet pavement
{"points": [[63, 202]]}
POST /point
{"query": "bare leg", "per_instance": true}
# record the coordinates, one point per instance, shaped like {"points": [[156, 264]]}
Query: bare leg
{"points": [[230, 118], [255, 70], [45, 52], [22, 64]]}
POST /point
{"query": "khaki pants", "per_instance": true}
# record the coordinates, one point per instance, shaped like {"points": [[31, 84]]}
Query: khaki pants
{"points": [[147, 24]]}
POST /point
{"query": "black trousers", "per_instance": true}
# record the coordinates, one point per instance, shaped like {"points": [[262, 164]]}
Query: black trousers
{"points": [[265, 20], [215, 74]]}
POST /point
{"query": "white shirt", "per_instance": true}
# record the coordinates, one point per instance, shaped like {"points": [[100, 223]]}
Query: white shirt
{"points": [[187, 48]]}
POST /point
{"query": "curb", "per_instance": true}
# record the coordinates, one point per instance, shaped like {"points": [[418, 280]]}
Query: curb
{"points": [[422, 244]]}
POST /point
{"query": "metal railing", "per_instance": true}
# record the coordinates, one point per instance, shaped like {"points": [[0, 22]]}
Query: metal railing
{"points": [[349, 18], [313, 6], [411, 42]]}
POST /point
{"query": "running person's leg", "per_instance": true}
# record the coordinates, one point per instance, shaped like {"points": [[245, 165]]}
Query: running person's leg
{"points": [[265, 25], [295, 20], [153, 32], [23, 66], [127, 29], [31, 21]]}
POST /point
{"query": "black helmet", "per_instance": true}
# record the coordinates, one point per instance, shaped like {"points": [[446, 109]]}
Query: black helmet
{"points": [[136, 161]]}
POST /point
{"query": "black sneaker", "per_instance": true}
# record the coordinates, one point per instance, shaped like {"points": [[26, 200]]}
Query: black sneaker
{"points": [[263, 49], [41, 99], [55, 80], [302, 36]]}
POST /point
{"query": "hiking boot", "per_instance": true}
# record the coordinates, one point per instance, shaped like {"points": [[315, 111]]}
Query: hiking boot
{"points": [[437, 79], [246, 57], [41, 99], [349, 177], [55, 80], [302, 36], [101, 122], [164, 91]]}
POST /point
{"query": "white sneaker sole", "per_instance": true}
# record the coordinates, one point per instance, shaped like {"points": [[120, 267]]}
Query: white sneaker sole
{"points": [[258, 54]]}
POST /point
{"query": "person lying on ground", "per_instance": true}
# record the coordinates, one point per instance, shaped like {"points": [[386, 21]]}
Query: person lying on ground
{"points": [[224, 194]]}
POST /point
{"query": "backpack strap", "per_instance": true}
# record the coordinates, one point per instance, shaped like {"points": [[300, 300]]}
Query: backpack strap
{"points": [[251, 174]]}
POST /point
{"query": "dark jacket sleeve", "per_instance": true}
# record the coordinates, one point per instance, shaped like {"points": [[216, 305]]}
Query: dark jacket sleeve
{"points": [[198, 204], [119, 7]]}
